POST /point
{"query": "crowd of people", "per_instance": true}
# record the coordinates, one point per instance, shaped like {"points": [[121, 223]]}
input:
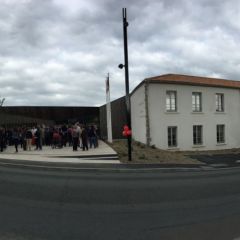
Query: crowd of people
{"points": [[59, 136]]}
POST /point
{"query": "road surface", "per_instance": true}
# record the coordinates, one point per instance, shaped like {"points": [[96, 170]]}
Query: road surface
{"points": [[50, 204]]}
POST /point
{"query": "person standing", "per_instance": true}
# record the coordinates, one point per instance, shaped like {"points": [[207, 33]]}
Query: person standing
{"points": [[84, 137], [38, 139], [75, 138], [40, 129], [15, 138], [64, 135], [69, 136], [29, 137], [79, 130], [97, 134], [42, 134], [92, 137], [24, 141]]}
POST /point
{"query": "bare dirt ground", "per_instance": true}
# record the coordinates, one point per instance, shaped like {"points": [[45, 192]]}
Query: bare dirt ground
{"points": [[143, 154]]}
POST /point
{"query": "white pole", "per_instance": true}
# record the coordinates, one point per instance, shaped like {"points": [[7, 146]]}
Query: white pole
{"points": [[108, 108]]}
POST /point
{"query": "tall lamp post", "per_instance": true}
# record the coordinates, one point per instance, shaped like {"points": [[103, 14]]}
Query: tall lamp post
{"points": [[128, 103]]}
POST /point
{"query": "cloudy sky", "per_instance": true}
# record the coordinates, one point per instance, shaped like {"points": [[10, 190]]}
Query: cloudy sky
{"points": [[58, 52]]}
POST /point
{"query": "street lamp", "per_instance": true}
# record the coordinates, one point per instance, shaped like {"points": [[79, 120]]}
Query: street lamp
{"points": [[121, 66]]}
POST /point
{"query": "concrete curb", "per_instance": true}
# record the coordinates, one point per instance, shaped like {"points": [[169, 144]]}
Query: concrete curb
{"points": [[108, 167]]}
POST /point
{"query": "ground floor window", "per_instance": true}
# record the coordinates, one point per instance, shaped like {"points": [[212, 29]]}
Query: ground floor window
{"points": [[220, 133], [197, 135], [172, 136]]}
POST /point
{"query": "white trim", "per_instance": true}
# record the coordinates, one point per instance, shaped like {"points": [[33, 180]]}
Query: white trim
{"points": [[198, 146], [197, 112], [171, 112], [221, 144]]}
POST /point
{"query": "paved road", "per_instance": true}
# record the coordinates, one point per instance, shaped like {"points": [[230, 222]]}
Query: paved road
{"points": [[220, 160], [37, 204]]}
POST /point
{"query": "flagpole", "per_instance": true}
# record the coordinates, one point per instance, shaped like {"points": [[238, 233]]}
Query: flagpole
{"points": [[108, 109]]}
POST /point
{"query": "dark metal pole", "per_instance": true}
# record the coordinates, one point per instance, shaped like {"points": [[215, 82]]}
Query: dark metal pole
{"points": [[128, 103]]}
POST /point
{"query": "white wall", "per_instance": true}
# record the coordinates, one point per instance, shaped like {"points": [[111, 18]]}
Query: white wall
{"points": [[184, 119], [138, 114]]}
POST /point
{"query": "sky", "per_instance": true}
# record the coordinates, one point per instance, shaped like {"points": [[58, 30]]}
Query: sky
{"points": [[58, 52]]}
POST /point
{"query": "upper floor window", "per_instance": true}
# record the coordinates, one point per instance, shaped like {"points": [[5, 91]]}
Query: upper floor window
{"points": [[196, 102], [219, 102], [171, 101]]}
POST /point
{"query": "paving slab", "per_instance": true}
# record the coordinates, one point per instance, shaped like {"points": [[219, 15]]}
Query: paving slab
{"points": [[102, 154]]}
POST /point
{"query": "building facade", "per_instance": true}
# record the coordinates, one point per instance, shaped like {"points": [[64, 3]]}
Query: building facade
{"points": [[179, 112]]}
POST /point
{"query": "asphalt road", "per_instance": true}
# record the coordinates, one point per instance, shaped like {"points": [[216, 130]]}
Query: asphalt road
{"points": [[37, 204]]}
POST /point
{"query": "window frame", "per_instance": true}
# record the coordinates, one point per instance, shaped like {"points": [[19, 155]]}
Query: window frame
{"points": [[219, 104], [194, 103], [172, 145], [220, 135], [171, 104], [196, 135]]}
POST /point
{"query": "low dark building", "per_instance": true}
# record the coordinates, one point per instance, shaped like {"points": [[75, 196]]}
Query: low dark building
{"points": [[56, 115], [32, 115]]}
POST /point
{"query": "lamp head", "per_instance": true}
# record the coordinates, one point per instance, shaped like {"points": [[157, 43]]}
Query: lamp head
{"points": [[121, 66]]}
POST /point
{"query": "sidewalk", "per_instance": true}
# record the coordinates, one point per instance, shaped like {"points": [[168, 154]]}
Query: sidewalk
{"points": [[102, 154]]}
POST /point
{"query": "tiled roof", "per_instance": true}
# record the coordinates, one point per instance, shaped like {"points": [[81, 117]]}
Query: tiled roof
{"points": [[193, 80]]}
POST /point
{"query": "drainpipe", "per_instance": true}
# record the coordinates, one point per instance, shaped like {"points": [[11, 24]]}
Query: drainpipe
{"points": [[148, 137]]}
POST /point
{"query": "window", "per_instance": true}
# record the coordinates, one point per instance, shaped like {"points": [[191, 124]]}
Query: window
{"points": [[171, 101], [221, 133], [219, 102], [196, 102], [197, 135], [172, 136]]}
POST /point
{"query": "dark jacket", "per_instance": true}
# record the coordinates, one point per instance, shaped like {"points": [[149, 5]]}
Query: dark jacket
{"points": [[29, 134]]}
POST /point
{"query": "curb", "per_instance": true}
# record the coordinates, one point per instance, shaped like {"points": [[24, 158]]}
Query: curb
{"points": [[111, 167], [106, 167]]}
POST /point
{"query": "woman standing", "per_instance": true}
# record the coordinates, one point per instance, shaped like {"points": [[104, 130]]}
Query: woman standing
{"points": [[29, 137]]}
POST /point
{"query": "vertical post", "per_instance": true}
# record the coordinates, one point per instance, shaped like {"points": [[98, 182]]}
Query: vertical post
{"points": [[108, 109], [128, 103]]}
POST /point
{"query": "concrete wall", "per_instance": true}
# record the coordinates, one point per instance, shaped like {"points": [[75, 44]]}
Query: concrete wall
{"points": [[118, 108], [184, 118], [138, 114]]}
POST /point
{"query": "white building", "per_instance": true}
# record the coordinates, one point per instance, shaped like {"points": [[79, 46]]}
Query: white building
{"points": [[180, 112]]}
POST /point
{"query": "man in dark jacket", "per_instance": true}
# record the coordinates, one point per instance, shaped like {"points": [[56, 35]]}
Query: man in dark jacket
{"points": [[16, 137], [38, 139], [84, 136]]}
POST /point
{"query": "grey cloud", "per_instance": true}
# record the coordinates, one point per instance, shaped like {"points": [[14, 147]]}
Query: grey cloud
{"points": [[58, 53]]}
